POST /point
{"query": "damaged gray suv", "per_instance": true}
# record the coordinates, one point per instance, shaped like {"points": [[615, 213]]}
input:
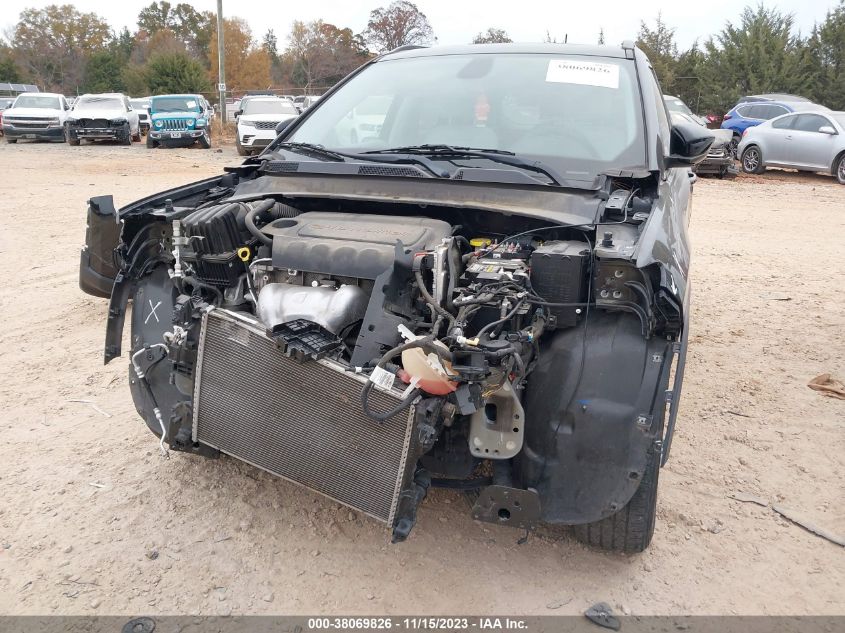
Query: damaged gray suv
{"points": [[486, 291]]}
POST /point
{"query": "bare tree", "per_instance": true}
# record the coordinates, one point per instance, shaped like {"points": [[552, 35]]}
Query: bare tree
{"points": [[321, 53], [399, 24], [52, 44], [492, 36]]}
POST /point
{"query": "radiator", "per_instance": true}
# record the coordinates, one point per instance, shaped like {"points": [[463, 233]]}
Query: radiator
{"points": [[300, 421]]}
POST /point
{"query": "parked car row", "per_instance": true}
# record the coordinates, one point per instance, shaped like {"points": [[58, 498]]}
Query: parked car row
{"points": [[772, 130], [166, 119]]}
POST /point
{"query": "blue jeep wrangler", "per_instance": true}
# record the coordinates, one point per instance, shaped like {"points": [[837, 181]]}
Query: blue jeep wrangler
{"points": [[178, 120]]}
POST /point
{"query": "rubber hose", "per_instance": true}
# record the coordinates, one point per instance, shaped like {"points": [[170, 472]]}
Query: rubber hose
{"points": [[249, 220], [427, 343], [430, 301], [196, 283], [276, 211]]}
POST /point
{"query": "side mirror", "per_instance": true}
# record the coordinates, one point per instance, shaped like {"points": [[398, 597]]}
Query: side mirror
{"points": [[827, 129], [281, 126], [688, 144]]}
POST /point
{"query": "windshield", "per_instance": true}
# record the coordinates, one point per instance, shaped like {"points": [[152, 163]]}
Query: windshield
{"points": [[174, 104], [37, 101], [140, 104], [676, 105], [269, 106], [580, 115], [99, 103]]}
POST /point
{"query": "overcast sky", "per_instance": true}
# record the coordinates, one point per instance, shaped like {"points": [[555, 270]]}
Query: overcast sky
{"points": [[457, 21]]}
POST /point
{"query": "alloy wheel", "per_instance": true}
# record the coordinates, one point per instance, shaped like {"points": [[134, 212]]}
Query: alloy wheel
{"points": [[751, 160]]}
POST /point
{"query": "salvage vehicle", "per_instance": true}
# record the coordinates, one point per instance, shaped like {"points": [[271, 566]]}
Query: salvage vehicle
{"points": [[103, 117], [720, 157], [676, 105], [810, 141], [257, 122], [36, 116], [490, 294], [178, 120]]}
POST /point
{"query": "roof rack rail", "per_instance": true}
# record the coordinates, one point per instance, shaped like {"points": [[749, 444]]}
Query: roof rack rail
{"points": [[405, 47]]}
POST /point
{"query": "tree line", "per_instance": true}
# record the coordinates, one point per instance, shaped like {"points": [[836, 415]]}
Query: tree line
{"points": [[760, 53], [174, 49]]}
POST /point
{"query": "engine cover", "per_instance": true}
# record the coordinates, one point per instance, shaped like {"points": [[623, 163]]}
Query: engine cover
{"points": [[348, 244]]}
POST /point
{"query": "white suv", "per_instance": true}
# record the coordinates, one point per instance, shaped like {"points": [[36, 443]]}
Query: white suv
{"points": [[258, 121]]}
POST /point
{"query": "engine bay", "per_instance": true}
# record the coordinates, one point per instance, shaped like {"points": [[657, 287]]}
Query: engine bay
{"points": [[399, 299], [423, 329]]}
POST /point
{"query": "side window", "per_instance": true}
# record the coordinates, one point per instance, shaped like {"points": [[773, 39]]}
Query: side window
{"points": [[775, 110], [785, 123], [745, 111], [756, 111], [810, 122]]}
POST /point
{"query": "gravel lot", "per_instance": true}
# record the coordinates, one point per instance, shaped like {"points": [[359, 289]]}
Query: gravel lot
{"points": [[93, 520]]}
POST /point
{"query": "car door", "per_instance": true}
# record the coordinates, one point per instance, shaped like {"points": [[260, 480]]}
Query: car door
{"points": [[775, 140], [809, 147]]}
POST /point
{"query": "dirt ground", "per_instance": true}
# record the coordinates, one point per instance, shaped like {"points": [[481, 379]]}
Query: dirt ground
{"points": [[94, 520]]}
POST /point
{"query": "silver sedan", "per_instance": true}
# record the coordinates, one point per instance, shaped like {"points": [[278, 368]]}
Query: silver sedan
{"points": [[808, 141]]}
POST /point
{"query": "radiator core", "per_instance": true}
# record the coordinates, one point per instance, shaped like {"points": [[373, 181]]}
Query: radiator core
{"points": [[300, 421]]}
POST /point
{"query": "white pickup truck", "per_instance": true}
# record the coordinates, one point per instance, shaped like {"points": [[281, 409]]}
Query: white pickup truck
{"points": [[36, 116]]}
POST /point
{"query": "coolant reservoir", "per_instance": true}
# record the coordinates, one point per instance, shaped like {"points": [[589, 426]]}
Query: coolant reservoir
{"points": [[428, 371]]}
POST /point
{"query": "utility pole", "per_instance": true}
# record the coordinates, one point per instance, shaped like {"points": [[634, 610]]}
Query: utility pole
{"points": [[221, 66]]}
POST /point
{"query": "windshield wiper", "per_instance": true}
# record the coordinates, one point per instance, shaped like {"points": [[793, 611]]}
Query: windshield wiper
{"points": [[440, 148], [496, 155], [312, 149], [319, 150]]}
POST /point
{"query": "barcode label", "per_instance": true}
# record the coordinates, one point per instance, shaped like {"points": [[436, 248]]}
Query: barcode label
{"points": [[382, 379]]}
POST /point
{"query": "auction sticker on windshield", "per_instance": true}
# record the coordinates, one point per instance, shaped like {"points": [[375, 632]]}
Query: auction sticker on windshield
{"points": [[585, 73]]}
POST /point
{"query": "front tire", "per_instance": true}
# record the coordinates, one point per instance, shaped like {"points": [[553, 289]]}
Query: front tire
{"points": [[11, 140], [205, 141], [752, 160], [242, 151], [151, 144], [74, 142], [631, 529], [840, 170]]}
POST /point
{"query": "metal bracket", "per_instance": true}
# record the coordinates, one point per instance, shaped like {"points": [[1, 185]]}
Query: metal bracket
{"points": [[513, 507]]}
